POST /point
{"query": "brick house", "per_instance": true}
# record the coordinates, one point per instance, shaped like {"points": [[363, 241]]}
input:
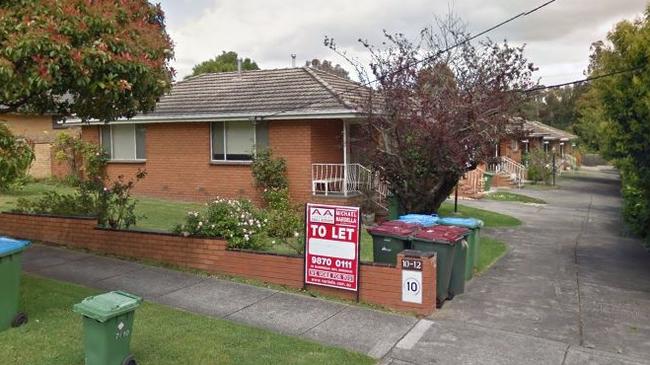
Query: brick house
{"points": [[536, 135], [199, 140], [39, 130], [509, 167]]}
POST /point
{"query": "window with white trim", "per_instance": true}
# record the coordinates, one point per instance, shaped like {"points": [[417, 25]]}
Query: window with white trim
{"points": [[237, 140], [124, 142]]}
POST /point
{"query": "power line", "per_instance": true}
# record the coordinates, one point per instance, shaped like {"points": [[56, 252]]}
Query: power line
{"points": [[582, 81], [463, 42]]}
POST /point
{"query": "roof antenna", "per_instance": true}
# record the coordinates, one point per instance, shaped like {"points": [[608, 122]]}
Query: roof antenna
{"points": [[239, 66], [293, 60]]}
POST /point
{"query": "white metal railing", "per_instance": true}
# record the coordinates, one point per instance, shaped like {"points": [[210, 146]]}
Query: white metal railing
{"points": [[511, 167], [340, 179]]}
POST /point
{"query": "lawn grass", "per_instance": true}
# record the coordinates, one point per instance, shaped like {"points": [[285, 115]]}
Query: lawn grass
{"points": [[491, 250], [489, 218], [161, 335], [30, 191], [162, 214], [158, 214], [513, 197]]}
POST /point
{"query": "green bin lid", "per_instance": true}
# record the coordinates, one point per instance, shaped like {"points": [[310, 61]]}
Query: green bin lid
{"points": [[106, 306]]}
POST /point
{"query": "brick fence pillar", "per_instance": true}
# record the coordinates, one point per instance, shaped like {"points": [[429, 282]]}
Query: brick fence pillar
{"points": [[411, 264]]}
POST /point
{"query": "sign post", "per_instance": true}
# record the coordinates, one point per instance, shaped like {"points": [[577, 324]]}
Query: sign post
{"points": [[332, 246]]}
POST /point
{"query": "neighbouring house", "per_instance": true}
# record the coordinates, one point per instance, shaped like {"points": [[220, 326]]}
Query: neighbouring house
{"points": [[539, 135], [509, 164], [39, 130], [199, 141]]}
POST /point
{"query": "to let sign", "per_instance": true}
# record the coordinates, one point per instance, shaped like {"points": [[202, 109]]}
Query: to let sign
{"points": [[332, 246]]}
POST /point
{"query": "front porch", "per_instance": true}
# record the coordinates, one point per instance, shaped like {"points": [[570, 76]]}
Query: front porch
{"points": [[345, 178]]}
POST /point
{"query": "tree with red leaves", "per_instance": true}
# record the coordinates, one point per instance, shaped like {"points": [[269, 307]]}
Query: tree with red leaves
{"points": [[435, 113], [98, 59]]}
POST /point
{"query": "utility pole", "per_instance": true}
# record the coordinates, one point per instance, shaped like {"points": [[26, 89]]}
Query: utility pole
{"points": [[456, 200]]}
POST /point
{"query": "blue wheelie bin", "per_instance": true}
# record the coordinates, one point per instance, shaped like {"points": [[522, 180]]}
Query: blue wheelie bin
{"points": [[425, 220]]}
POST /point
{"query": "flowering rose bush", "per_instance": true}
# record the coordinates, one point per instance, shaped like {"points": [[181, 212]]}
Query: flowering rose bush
{"points": [[238, 221]]}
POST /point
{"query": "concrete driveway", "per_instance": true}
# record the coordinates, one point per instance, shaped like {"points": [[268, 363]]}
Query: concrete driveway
{"points": [[573, 289]]}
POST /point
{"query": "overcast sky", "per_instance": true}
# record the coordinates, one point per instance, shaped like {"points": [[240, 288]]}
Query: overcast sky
{"points": [[269, 31]]}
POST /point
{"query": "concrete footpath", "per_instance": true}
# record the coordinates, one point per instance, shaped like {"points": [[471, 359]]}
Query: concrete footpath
{"points": [[353, 327], [571, 290]]}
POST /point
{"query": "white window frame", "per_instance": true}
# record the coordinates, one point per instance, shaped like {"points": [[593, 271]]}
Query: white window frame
{"points": [[225, 144], [135, 144]]}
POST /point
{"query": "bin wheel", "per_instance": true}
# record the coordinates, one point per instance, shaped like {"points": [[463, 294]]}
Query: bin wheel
{"points": [[439, 303], [19, 320], [129, 361], [451, 296]]}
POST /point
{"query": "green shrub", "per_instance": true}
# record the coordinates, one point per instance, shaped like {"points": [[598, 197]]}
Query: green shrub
{"points": [[15, 158], [540, 166], [75, 204], [285, 220], [636, 200], [269, 172], [237, 221], [115, 207], [112, 205]]}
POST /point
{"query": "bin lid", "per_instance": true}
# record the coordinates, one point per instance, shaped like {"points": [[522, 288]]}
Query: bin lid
{"points": [[10, 246], [425, 220], [412, 226], [108, 305], [442, 234], [471, 223], [403, 230]]}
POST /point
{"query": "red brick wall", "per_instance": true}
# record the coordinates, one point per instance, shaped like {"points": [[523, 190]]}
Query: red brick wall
{"points": [[380, 285], [178, 160], [506, 149], [327, 141], [291, 140]]}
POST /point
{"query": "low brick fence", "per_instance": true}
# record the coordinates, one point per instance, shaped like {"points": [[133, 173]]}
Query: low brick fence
{"points": [[378, 284]]}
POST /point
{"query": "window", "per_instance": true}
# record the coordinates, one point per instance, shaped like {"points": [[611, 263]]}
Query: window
{"points": [[237, 141], [124, 142], [514, 145]]}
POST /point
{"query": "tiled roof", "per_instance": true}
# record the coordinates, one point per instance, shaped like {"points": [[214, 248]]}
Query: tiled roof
{"points": [[538, 129], [282, 92]]}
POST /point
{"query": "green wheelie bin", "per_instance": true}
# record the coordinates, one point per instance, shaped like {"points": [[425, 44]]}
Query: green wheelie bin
{"points": [[473, 240], [108, 327], [10, 268], [445, 242], [389, 239]]}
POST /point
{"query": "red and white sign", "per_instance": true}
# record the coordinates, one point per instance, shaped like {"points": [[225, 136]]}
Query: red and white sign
{"points": [[332, 246]]}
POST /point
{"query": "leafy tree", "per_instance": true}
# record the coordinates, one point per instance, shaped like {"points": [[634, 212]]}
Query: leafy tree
{"points": [[625, 118], [554, 107], [225, 62], [327, 66], [591, 123], [94, 59], [15, 158], [435, 115]]}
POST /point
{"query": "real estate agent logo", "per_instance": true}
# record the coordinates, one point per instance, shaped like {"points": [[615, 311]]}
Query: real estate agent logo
{"points": [[321, 215]]}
